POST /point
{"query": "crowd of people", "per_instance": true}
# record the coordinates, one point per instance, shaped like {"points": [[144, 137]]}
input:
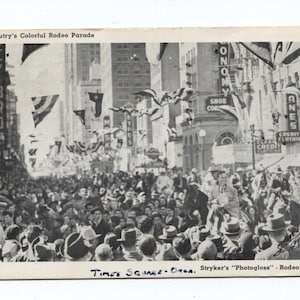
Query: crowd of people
{"points": [[217, 215]]}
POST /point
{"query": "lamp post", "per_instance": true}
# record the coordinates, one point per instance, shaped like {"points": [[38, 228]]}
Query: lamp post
{"points": [[252, 131], [202, 134]]}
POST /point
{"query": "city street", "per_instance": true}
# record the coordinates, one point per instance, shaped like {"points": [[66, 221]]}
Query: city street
{"points": [[149, 151]]}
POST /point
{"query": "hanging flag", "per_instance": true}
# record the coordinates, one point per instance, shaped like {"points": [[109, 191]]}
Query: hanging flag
{"points": [[58, 144], [155, 52], [32, 161], [81, 114], [81, 147], [261, 50], [70, 148], [30, 48], [291, 53], [228, 109], [32, 151], [277, 55], [43, 106], [172, 132], [97, 98], [182, 94], [94, 147], [149, 93]]}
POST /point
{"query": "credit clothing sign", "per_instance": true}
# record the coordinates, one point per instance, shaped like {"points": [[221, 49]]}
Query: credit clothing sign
{"points": [[267, 146], [288, 136]]}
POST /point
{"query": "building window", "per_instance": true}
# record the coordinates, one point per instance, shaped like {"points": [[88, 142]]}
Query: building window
{"points": [[125, 83], [137, 84], [225, 138], [120, 84], [136, 46], [196, 139], [191, 140], [186, 140]]}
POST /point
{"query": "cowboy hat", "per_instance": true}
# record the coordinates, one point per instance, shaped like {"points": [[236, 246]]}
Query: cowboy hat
{"points": [[275, 222]]}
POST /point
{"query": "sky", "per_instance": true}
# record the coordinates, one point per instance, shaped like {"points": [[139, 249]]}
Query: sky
{"points": [[41, 74]]}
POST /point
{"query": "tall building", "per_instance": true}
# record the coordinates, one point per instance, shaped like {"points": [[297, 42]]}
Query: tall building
{"points": [[124, 70], [79, 59], [202, 68], [165, 77]]}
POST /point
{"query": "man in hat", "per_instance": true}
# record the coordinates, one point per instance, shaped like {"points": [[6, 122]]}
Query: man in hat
{"points": [[194, 177], [76, 248], [275, 197], [91, 238], [166, 251], [223, 199], [128, 243], [276, 228], [183, 247]]}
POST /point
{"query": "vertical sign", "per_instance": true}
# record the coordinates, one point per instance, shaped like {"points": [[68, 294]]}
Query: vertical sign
{"points": [[107, 138], [292, 115], [3, 129], [224, 68], [129, 130]]}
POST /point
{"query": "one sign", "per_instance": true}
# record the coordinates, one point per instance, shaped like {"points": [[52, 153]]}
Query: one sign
{"points": [[292, 115], [224, 68], [267, 146], [211, 103], [129, 130], [153, 153], [107, 137], [287, 136], [3, 128]]}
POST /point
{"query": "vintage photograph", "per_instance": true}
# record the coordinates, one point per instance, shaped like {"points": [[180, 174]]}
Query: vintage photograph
{"points": [[139, 152]]}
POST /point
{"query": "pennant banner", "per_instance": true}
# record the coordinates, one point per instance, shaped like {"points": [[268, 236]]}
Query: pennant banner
{"points": [[81, 115], [261, 50], [29, 49], [32, 151], [228, 109], [58, 144], [97, 98], [43, 106], [149, 93]]}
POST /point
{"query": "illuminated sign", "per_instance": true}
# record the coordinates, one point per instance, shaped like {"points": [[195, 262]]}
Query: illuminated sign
{"points": [[129, 130], [106, 125], [292, 115], [224, 68]]}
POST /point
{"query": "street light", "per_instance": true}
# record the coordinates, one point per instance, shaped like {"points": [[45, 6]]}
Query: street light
{"points": [[202, 134]]}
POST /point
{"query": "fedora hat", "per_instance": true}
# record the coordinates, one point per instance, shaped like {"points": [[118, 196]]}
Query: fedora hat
{"points": [[231, 227], [88, 233], [275, 222], [128, 234], [169, 233], [204, 232], [74, 247]]}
